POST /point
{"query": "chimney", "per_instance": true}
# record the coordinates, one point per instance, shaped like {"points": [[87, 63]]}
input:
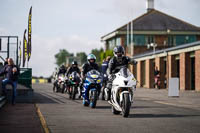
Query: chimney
{"points": [[150, 5]]}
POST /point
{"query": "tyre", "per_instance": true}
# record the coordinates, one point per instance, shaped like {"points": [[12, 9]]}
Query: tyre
{"points": [[126, 104], [85, 103], [114, 111], [74, 88], [107, 97], [62, 88], [93, 99], [103, 94]]}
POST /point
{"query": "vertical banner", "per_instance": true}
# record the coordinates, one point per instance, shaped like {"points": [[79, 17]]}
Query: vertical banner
{"points": [[24, 48], [20, 54], [29, 34]]}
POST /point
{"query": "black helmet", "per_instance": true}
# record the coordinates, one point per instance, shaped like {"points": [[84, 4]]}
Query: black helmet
{"points": [[118, 51], [62, 67], [74, 63]]}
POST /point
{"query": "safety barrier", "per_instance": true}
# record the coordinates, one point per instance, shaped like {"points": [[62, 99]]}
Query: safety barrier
{"points": [[41, 81]]}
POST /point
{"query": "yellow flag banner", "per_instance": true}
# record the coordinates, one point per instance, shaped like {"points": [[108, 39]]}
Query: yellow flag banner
{"points": [[20, 54], [29, 34], [24, 48]]}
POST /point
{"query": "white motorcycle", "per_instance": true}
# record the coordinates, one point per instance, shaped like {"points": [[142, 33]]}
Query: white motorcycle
{"points": [[123, 87], [61, 83]]}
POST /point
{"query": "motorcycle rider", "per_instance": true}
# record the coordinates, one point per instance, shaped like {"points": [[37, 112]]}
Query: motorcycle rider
{"points": [[62, 70], [74, 67], [89, 65], [55, 80], [119, 59]]}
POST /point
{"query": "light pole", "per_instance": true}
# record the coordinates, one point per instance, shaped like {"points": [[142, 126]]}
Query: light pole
{"points": [[154, 45]]}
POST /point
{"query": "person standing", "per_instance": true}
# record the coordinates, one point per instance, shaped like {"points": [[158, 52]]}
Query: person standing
{"points": [[11, 72], [156, 78], [6, 62], [104, 65]]}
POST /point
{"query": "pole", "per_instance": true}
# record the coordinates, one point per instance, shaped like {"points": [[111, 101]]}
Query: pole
{"points": [[127, 34], [17, 53], [131, 38], [8, 47]]}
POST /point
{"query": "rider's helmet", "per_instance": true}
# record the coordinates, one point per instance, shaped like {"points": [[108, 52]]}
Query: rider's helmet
{"points": [[91, 58], [62, 66], [118, 51], [74, 64]]}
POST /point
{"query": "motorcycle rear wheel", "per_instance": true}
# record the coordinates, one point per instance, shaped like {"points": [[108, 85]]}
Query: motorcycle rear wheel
{"points": [[103, 94], [74, 88]]}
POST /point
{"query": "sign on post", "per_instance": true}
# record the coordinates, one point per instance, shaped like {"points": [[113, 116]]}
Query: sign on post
{"points": [[173, 90]]}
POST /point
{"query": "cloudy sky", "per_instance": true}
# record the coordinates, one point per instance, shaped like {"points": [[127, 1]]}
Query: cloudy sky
{"points": [[77, 25]]}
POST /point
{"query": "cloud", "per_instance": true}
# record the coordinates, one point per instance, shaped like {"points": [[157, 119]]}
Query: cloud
{"points": [[3, 31], [129, 8], [44, 49]]}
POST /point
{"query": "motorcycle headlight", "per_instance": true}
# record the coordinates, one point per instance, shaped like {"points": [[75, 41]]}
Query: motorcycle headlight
{"points": [[99, 81], [133, 79]]}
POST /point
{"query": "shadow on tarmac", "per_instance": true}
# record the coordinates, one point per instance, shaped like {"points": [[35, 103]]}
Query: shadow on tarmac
{"points": [[139, 107], [40, 98], [103, 107], [159, 115]]}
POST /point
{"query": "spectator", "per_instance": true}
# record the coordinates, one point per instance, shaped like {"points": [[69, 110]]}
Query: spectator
{"points": [[156, 78], [156, 72], [104, 65], [6, 61], [11, 72]]}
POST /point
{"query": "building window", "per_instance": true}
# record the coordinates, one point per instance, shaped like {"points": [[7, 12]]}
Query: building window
{"points": [[183, 39], [150, 39], [112, 43], [118, 41], [139, 40], [171, 41]]}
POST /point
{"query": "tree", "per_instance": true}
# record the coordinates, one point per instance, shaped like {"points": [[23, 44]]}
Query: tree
{"points": [[97, 53], [61, 56], [103, 54], [82, 56]]}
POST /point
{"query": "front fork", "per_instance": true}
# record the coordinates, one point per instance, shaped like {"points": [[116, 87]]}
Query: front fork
{"points": [[130, 92]]}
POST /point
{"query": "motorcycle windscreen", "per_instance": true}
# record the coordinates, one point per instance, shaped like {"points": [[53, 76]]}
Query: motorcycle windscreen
{"points": [[124, 72], [92, 73]]}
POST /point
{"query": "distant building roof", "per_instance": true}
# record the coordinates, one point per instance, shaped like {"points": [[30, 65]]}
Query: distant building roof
{"points": [[155, 20]]}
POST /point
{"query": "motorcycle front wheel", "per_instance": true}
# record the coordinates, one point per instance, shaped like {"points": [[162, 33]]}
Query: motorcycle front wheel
{"points": [[62, 88], [74, 89], [93, 99], [126, 104]]}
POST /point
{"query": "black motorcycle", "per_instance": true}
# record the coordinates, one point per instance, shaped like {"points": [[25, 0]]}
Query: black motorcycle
{"points": [[73, 84]]}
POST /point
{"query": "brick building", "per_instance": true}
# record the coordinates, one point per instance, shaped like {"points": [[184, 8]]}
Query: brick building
{"points": [[152, 27], [181, 61], [169, 34]]}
